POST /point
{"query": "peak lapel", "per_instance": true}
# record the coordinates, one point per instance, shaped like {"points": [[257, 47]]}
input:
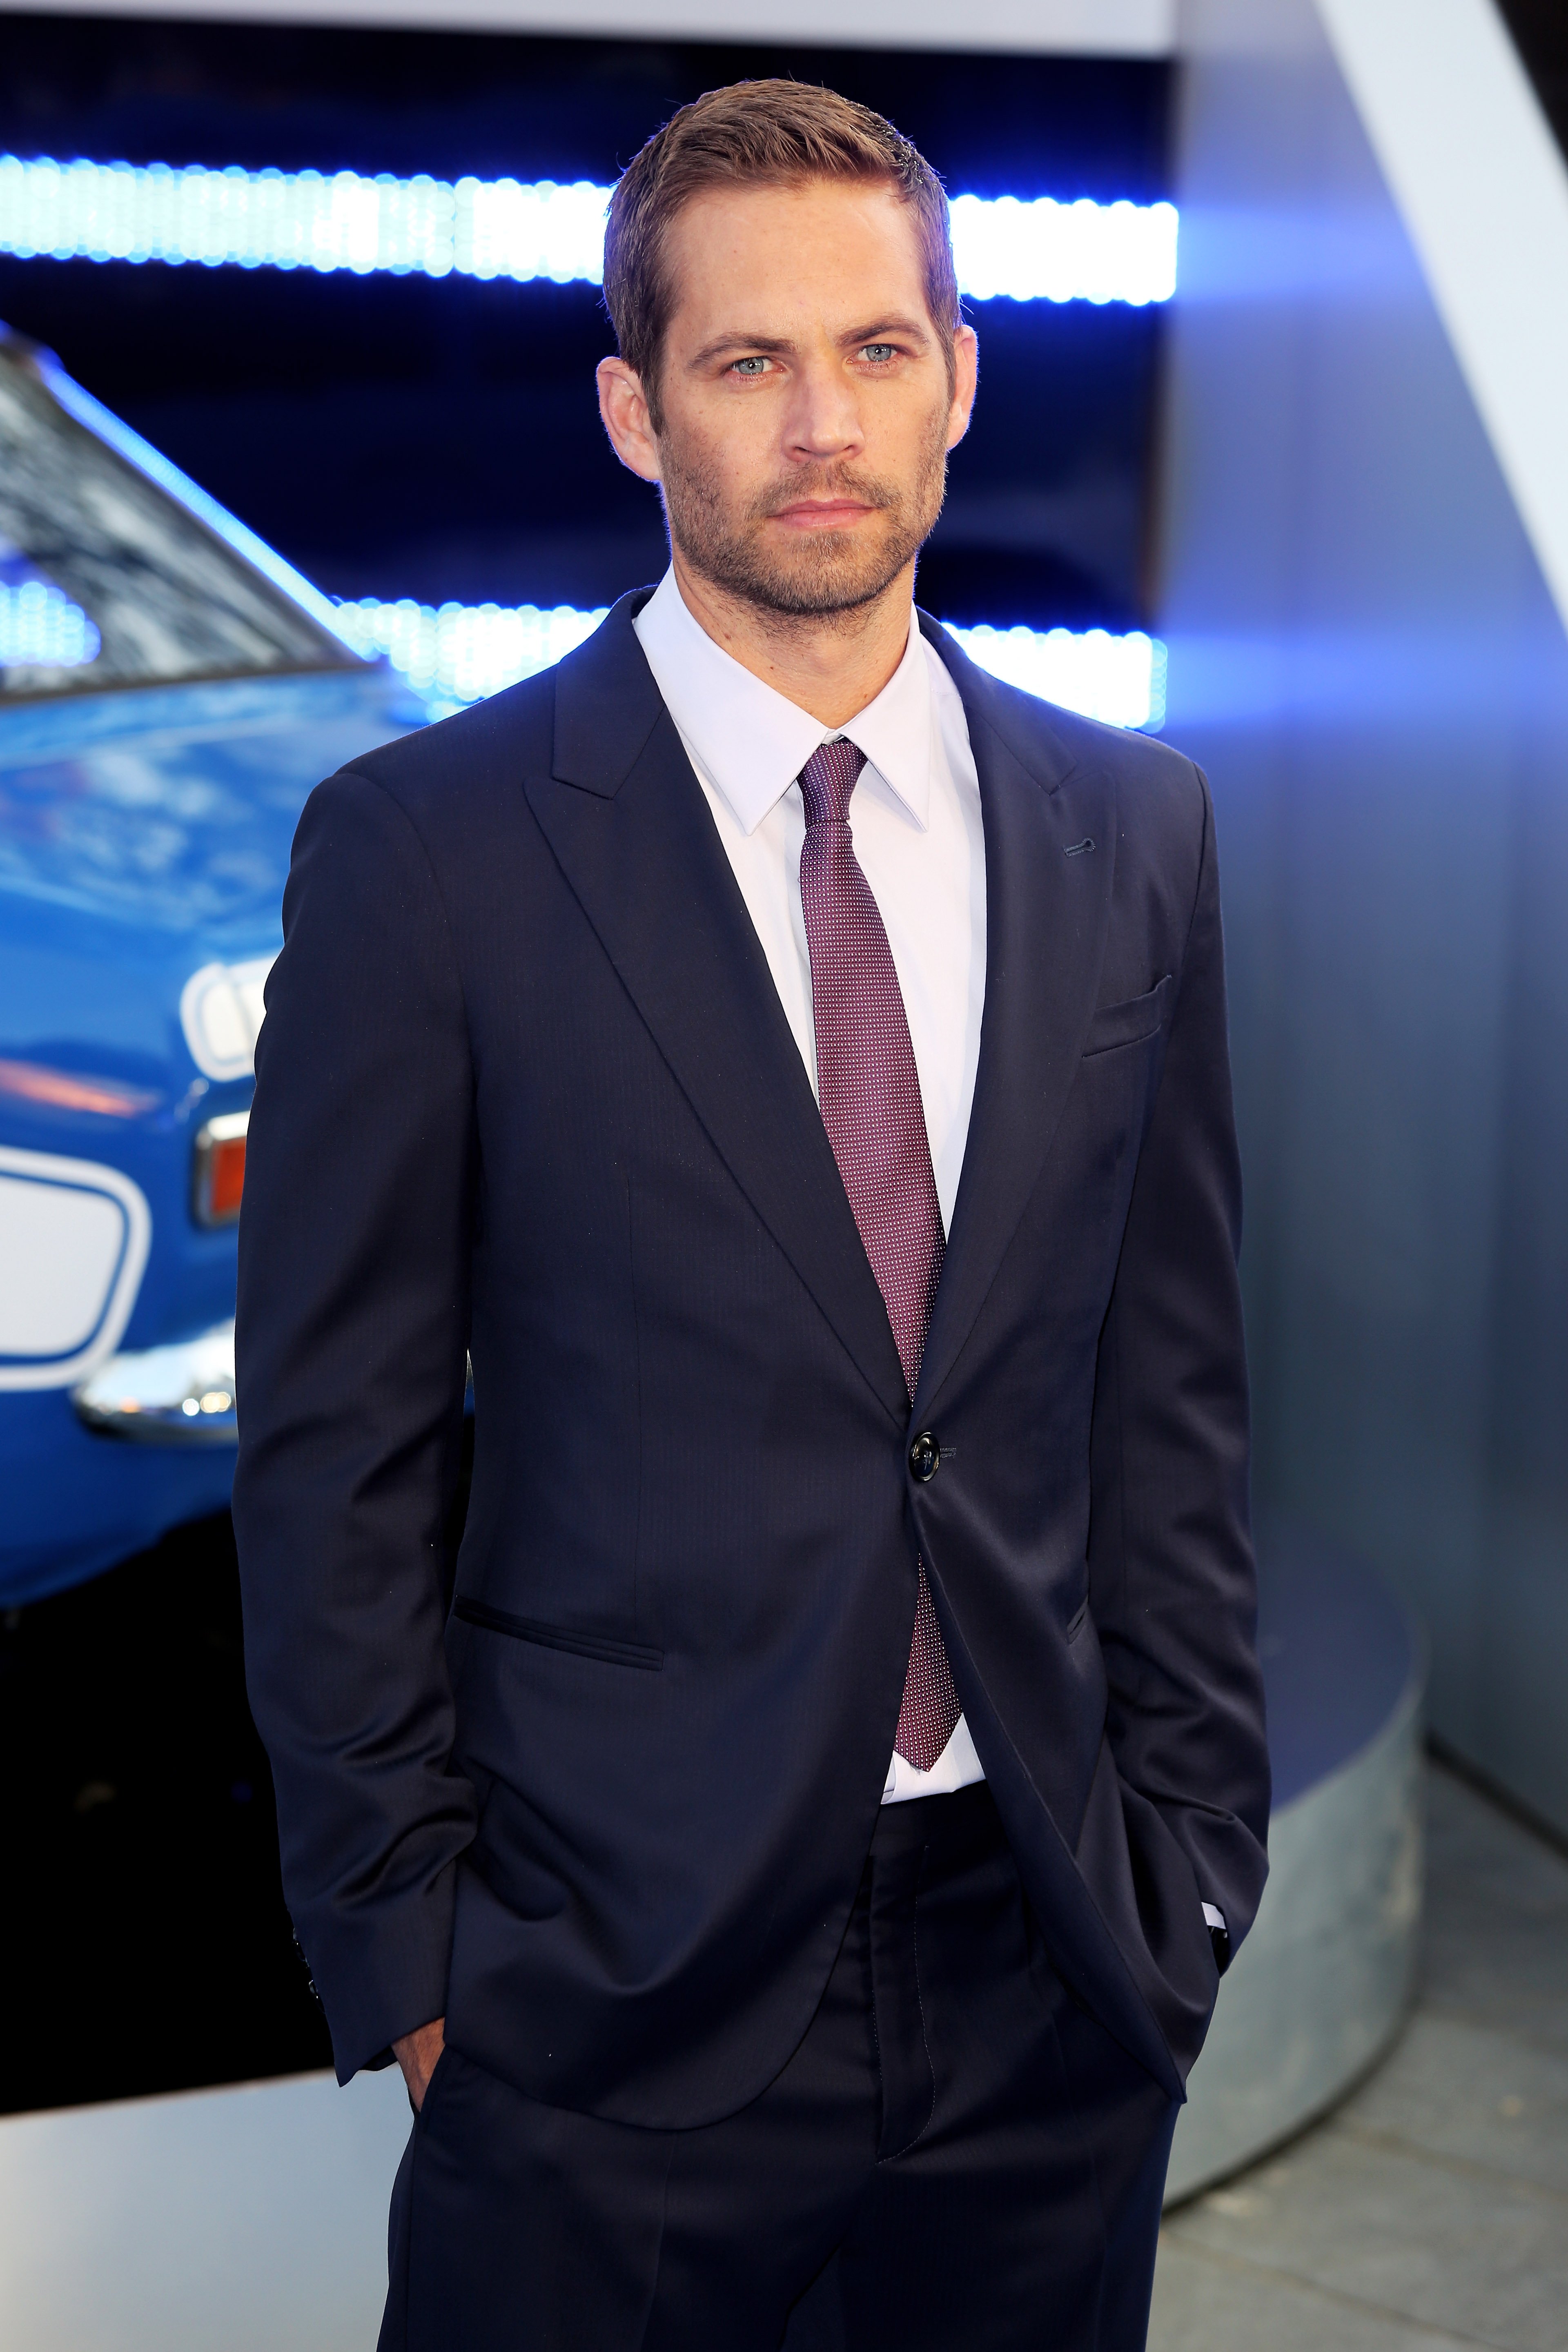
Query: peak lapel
{"points": [[1046, 915], [631, 830]]}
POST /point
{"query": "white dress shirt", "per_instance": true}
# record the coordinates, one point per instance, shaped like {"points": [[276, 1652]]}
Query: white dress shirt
{"points": [[919, 838]]}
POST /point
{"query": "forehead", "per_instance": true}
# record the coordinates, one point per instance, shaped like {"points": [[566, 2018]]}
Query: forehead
{"points": [[813, 249]]}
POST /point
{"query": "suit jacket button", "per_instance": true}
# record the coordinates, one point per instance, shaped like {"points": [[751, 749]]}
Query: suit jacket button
{"points": [[924, 1455]]}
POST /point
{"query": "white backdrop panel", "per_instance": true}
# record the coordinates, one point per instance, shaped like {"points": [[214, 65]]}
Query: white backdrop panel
{"points": [[1139, 29]]}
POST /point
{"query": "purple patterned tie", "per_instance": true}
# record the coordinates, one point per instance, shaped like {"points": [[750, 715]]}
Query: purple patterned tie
{"points": [[870, 1095]]}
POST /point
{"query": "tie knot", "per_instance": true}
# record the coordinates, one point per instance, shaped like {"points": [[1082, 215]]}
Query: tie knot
{"points": [[828, 780]]}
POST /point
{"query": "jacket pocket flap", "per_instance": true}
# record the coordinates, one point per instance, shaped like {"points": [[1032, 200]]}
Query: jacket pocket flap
{"points": [[1129, 1023], [557, 1637]]}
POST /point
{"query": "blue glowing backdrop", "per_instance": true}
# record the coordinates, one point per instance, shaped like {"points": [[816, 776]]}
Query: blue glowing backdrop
{"points": [[347, 283]]}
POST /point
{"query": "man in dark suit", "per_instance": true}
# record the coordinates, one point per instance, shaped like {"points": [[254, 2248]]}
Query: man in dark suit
{"points": [[792, 1849]]}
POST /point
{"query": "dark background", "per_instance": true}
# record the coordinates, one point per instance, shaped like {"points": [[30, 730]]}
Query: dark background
{"points": [[146, 1946], [409, 437], [1539, 30], [437, 437]]}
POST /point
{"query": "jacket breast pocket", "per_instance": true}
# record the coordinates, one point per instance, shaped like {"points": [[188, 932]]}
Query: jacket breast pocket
{"points": [[1129, 1023]]}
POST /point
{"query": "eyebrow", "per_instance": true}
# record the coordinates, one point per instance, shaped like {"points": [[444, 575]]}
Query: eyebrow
{"points": [[779, 346], [731, 340], [880, 329]]}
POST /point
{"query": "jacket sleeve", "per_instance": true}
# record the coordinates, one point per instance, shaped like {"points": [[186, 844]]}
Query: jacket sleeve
{"points": [[351, 1341], [1171, 1577]]}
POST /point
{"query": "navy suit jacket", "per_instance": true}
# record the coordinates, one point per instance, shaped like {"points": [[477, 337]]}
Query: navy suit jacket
{"points": [[525, 1090]]}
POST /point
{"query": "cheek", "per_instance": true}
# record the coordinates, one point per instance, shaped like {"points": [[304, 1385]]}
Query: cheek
{"points": [[929, 464], [723, 456], [908, 433]]}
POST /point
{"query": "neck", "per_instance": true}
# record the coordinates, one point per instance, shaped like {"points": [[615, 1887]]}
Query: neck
{"points": [[830, 664]]}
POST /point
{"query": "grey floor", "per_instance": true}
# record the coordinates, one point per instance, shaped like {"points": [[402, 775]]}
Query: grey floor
{"points": [[1431, 2211]]}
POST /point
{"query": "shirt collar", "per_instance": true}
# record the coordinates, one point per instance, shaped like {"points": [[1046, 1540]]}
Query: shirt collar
{"points": [[753, 742]]}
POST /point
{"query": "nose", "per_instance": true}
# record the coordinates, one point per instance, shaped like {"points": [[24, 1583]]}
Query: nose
{"points": [[824, 419]]}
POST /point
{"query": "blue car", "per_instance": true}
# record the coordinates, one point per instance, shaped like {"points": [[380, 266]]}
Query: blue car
{"points": [[170, 691]]}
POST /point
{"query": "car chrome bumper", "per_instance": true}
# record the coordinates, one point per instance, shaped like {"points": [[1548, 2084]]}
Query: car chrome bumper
{"points": [[182, 1394]]}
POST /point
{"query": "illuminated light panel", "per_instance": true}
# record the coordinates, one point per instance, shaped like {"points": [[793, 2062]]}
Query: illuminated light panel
{"points": [[459, 652], [1045, 251], [1120, 679], [509, 229], [39, 625]]}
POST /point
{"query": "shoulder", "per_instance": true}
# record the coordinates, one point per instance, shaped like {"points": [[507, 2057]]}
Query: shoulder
{"points": [[1160, 794], [1162, 807], [435, 775], [583, 720]]}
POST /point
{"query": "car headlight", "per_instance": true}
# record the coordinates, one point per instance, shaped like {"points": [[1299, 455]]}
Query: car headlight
{"points": [[221, 1012]]}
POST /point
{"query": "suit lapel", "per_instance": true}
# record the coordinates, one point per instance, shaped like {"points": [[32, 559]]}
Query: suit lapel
{"points": [[628, 824], [1046, 918]]}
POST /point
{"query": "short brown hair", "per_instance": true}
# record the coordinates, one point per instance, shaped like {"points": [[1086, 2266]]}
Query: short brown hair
{"points": [[757, 133]]}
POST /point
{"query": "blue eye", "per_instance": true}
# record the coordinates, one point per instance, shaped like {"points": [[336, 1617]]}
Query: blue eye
{"points": [[750, 367], [877, 351]]}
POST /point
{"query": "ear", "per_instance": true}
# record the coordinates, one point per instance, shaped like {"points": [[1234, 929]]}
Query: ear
{"points": [[623, 406], [965, 378]]}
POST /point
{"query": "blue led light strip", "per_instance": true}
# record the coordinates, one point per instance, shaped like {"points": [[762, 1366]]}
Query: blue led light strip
{"points": [[455, 652], [1038, 250], [1120, 679]]}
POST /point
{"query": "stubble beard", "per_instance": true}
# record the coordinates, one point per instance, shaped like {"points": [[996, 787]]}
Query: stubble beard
{"points": [[827, 575]]}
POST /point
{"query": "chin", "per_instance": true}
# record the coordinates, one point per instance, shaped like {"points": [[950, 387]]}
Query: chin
{"points": [[825, 579]]}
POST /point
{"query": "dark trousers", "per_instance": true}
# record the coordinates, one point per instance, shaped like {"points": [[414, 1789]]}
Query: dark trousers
{"points": [[957, 2158]]}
